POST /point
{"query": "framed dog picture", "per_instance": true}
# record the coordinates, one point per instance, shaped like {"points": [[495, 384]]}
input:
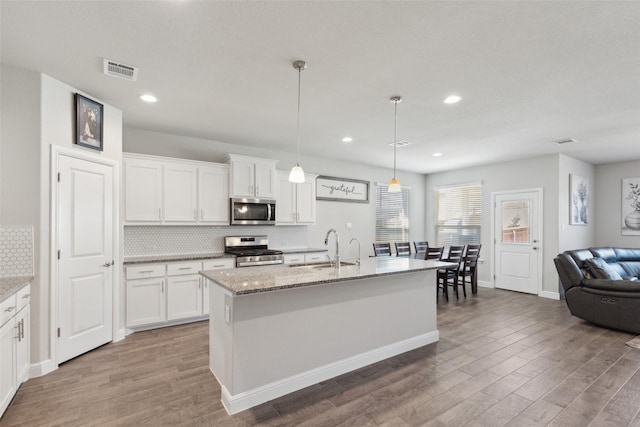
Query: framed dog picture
{"points": [[89, 115]]}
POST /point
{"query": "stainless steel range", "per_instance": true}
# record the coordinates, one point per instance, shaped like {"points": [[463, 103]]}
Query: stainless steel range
{"points": [[252, 250]]}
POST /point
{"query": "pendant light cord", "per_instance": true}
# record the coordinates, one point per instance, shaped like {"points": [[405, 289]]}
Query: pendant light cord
{"points": [[395, 137], [298, 152]]}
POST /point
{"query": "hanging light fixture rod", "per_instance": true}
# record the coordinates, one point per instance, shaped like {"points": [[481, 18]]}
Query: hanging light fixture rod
{"points": [[394, 184], [297, 174]]}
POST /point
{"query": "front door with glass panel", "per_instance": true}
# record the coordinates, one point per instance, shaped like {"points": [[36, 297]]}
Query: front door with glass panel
{"points": [[517, 243]]}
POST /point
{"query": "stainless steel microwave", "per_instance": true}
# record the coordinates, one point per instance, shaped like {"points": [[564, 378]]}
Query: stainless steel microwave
{"points": [[253, 212]]}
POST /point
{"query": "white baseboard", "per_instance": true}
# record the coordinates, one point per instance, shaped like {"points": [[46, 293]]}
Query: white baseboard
{"points": [[237, 403], [485, 284], [42, 368], [120, 335], [550, 295]]}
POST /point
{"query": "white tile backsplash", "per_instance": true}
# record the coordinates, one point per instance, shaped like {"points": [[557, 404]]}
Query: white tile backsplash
{"points": [[178, 240], [16, 250]]}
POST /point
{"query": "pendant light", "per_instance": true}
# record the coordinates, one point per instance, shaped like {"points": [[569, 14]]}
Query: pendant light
{"points": [[297, 174], [394, 184]]}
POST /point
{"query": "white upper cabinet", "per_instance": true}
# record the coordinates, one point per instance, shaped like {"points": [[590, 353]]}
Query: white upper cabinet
{"points": [[252, 177], [213, 194], [180, 202], [143, 190], [296, 203], [161, 190]]}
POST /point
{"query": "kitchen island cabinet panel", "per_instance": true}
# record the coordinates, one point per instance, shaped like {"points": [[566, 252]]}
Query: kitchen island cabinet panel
{"points": [[278, 329]]}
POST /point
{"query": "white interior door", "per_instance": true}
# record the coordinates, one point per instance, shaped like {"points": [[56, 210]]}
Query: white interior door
{"points": [[517, 245], [85, 225]]}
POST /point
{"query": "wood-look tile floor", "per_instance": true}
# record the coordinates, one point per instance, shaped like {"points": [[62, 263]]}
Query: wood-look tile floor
{"points": [[503, 358]]}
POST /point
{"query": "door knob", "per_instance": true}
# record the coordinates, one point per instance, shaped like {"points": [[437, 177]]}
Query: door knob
{"points": [[108, 264], [535, 248]]}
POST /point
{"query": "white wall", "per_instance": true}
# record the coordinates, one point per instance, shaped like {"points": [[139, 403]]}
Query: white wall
{"points": [[329, 214], [37, 112], [57, 127], [575, 236], [539, 172], [608, 209]]}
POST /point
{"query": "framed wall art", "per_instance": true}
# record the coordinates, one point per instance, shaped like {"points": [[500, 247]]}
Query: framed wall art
{"points": [[631, 206], [342, 189], [89, 117], [579, 200]]}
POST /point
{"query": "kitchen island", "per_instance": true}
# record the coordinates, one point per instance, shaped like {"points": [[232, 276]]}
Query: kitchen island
{"points": [[277, 329]]}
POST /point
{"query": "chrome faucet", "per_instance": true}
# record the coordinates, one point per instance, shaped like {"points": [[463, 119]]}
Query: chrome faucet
{"points": [[326, 242], [350, 242]]}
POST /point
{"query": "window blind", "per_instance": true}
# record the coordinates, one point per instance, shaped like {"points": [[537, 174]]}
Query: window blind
{"points": [[392, 215], [458, 214]]}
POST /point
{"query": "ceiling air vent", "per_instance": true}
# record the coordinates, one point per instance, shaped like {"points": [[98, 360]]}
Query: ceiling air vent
{"points": [[564, 141], [122, 71]]}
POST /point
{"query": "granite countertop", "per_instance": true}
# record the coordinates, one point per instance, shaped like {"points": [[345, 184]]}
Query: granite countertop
{"points": [[169, 258], [250, 280], [11, 285], [300, 250]]}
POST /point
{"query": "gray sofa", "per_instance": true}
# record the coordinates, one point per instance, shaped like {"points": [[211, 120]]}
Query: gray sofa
{"points": [[601, 285]]}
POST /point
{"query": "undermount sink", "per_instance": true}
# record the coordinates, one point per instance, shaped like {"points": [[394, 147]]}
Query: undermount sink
{"points": [[320, 265]]}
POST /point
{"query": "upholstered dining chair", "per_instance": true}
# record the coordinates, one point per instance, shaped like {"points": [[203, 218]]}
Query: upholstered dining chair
{"points": [[421, 246], [469, 268], [382, 249], [449, 276], [403, 248]]}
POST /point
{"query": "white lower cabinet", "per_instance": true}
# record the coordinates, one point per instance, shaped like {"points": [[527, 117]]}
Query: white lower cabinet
{"points": [[162, 294], [184, 296], [214, 264], [15, 324], [146, 301]]}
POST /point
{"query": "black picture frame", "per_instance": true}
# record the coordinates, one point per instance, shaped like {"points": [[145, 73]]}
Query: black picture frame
{"points": [[89, 123]]}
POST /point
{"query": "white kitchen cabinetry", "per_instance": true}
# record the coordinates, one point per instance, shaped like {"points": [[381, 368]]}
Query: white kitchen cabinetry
{"points": [[215, 264], [295, 203], [213, 194], [162, 190], [305, 258], [184, 290], [164, 294], [15, 339], [180, 192], [252, 177], [143, 190], [146, 300]]}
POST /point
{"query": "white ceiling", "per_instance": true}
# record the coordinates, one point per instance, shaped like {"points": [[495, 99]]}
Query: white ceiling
{"points": [[529, 73]]}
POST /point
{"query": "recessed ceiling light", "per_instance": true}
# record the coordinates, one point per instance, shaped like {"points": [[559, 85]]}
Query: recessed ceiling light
{"points": [[148, 98], [347, 139], [437, 154], [452, 99]]}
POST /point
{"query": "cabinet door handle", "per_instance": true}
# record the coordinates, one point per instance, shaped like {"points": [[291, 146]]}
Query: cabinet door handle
{"points": [[162, 286], [257, 190], [201, 214], [17, 327], [26, 295], [195, 214], [160, 213], [21, 329]]}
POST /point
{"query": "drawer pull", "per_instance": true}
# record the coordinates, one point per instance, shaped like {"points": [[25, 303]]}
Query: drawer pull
{"points": [[26, 295], [146, 271], [185, 268], [218, 265], [9, 309]]}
